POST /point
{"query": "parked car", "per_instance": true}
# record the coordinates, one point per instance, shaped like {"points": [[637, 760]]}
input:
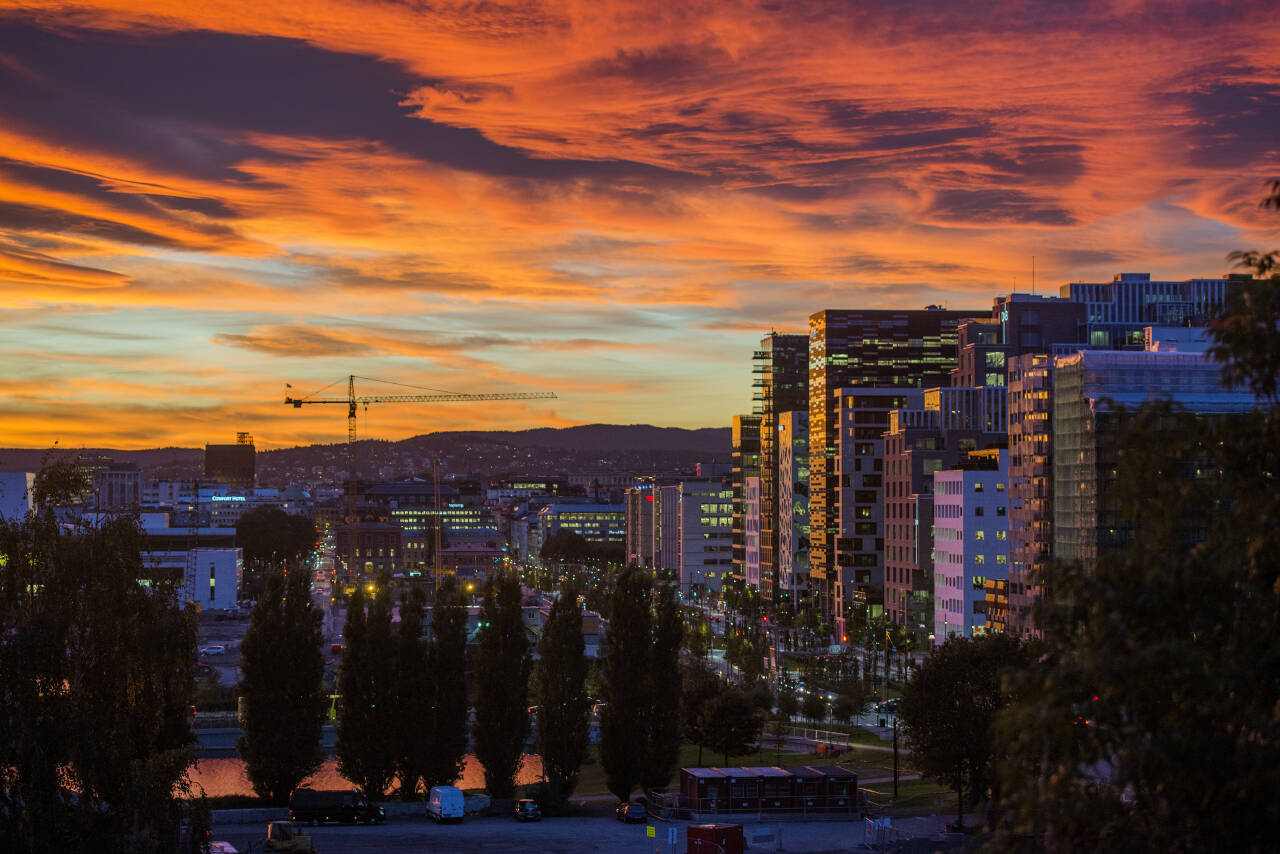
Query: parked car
{"points": [[345, 805], [890, 705], [213, 649], [445, 803], [527, 810], [628, 812]]}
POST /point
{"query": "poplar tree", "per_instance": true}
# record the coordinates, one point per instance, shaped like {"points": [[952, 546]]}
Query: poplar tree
{"points": [[502, 685], [367, 743], [560, 693], [626, 683], [448, 662], [415, 696], [282, 687], [663, 702]]}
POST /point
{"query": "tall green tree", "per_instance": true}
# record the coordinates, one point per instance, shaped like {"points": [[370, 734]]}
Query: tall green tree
{"points": [[663, 708], [1148, 720], [96, 678], [698, 685], [282, 660], [560, 693], [272, 540], [503, 665], [814, 706], [733, 723], [415, 704], [448, 721], [627, 692], [949, 708], [367, 744]]}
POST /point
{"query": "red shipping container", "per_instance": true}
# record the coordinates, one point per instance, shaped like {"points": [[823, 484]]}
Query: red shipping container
{"points": [[714, 839]]}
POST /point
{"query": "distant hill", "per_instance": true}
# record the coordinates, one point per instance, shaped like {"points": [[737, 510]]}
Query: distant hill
{"points": [[638, 448]]}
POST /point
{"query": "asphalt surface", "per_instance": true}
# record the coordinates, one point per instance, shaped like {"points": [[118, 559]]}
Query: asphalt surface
{"points": [[558, 836]]}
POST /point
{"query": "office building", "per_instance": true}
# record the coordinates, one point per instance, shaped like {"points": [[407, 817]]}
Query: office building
{"points": [[782, 377], [951, 423], [231, 464], [16, 494], [745, 450], [970, 546], [1116, 312], [1089, 387], [858, 583], [1030, 483], [793, 511], [601, 525], [856, 349]]}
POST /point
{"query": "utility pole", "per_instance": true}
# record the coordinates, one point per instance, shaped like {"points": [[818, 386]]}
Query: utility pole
{"points": [[895, 755]]}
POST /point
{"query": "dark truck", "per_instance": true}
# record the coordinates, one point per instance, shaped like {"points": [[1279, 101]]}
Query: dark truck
{"points": [[345, 805]]}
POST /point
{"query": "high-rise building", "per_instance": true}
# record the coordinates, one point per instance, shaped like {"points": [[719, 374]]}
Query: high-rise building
{"points": [[1117, 311], [1089, 387], [231, 464], [16, 494], [705, 536], [782, 376], [639, 522], [1030, 483], [874, 349], [746, 463], [859, 552], [751, 521], [951, 423], [793, 510], [970, 546]]}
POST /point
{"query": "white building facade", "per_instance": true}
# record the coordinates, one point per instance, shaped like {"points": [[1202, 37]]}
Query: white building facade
{"points": [[971, 546]]}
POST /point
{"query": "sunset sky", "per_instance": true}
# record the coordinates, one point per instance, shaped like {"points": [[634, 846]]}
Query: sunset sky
{"points": [[202, 201]]}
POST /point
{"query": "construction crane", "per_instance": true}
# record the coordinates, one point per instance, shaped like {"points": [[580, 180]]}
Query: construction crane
{"points": [[354, 401]]}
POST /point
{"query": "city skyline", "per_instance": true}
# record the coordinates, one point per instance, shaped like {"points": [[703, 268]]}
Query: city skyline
{"points": [[614, 202]]}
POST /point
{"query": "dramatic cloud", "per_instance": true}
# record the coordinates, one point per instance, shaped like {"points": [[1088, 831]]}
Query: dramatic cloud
{"points": [[613, 200]]}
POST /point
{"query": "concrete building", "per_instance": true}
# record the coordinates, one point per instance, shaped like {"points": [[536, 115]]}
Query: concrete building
{"points": [[706, 554], [211, 577], [1116, 312], [639, 522], [117, 487], [793, 510], [855, 349], [782, 376], [16, 494], [378, 547], [751, 518], [598, 524], [971, 546], [231, 464], [667, 500], [919, 442], [859, 581], [471, 563], [1089, 387], [1030, 483], [746, 463]]}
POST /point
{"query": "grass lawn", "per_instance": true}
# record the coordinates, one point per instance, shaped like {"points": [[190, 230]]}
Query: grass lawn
{"points": [[915, 797]]}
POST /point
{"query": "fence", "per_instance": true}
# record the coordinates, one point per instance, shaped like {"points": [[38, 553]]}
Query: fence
{"points": [[821, 736], [681, 806]]}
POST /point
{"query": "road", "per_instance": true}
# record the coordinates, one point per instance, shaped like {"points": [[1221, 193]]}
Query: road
{"points": [[560, 836]]}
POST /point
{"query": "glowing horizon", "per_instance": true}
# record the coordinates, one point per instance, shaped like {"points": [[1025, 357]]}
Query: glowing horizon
{"points": [[613, 200]]}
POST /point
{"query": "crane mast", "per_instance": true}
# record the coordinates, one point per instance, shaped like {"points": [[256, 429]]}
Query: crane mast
{"points": [[354, 401]]}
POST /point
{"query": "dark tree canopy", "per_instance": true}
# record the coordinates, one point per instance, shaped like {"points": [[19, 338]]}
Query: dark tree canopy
{"points": [[949, 708], [97, 662], [626, 682], [282, 687], [449, 687], [732, 723], [367, 743], [271, 537], [560, 694], [503, 664], [415, 703]]}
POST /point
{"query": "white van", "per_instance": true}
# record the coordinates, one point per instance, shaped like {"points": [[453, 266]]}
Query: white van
{"points": [[445, 803]]}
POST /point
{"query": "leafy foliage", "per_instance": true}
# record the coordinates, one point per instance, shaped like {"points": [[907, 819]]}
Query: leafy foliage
{"points": [[449, 689], [367, 739], [97, 665], [503, 665], [698, 686], [415, 705], [663, 709], [626, 683], [559, 691], [949, 708], [272, 540], [282, 687], [814, 707], [732, 722]]}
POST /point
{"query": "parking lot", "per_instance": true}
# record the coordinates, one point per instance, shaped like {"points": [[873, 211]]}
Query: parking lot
{"points": [[560, 836]]}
